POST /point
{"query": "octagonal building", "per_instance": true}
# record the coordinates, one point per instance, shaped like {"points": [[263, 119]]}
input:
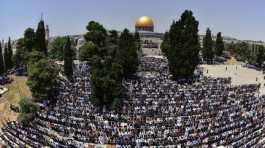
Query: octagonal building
{"points": [[144, 23]]}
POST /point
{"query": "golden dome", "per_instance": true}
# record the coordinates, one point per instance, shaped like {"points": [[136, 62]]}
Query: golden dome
{"points": [[144, 21]]}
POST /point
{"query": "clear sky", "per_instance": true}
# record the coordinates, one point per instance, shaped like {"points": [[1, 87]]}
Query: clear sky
{"points": [[242, 19]]}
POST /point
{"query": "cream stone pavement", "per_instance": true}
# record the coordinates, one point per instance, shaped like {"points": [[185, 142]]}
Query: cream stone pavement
{"points": [[239, 74]]}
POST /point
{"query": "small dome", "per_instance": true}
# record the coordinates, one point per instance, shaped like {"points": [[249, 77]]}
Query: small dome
{"points": [[144, 21]]}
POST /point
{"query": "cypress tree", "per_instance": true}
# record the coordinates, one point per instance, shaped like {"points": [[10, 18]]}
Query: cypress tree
{"points": [[40, 38], [208, 53], [29, 39], [113, 37], [184, 46], [138, 43], [165, 45], [68, 59], [137, 40], [127, 53], [6, 58], [260, 57], [219, 44], [106, 83], [2, 68], [9, 54]]}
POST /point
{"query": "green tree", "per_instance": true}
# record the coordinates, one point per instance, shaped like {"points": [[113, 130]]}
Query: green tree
{"points": [[97, 40], [9, 54], [184, 46], [2, 70], [34, 57], [127, 53], [25, 119], [6, 58], [107, 89], [260, 56], [96, 34], [42, 78], [113, 37], [23, 47], [137, 40], [87, 51], [28, 109], [165, 45], [56, 48], [105, 51], [242, 51], [219, 46], [68, 59], [29, 39], [208, 52], [27, 106], [21, 54], [40, 43]]}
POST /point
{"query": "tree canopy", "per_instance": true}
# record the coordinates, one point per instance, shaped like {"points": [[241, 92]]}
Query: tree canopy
{"points": [[96, 34], [68, 59], [112, 58], [127, 53], [24, 46], [8, 54], [42, 78], [87, 51], [40, 43], [2, 70], [28, 108], [56, 48], [184, 46], [219, 45], [113, 37], [208, 51], [260, 57], [29, 39], [165, 45], [106, 83]]}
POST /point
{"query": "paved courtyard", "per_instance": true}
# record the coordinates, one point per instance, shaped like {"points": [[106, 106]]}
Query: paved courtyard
{"points": [[238, 73]]}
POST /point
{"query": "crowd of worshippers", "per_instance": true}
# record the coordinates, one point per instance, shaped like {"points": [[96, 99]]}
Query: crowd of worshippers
{"points": [[158, 112]]}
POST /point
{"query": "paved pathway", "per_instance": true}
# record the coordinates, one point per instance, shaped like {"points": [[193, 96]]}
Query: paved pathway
{"points": [[239, 74]]}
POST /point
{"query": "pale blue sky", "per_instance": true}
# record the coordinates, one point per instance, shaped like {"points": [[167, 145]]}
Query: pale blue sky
{"points": [[243, 19]]}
